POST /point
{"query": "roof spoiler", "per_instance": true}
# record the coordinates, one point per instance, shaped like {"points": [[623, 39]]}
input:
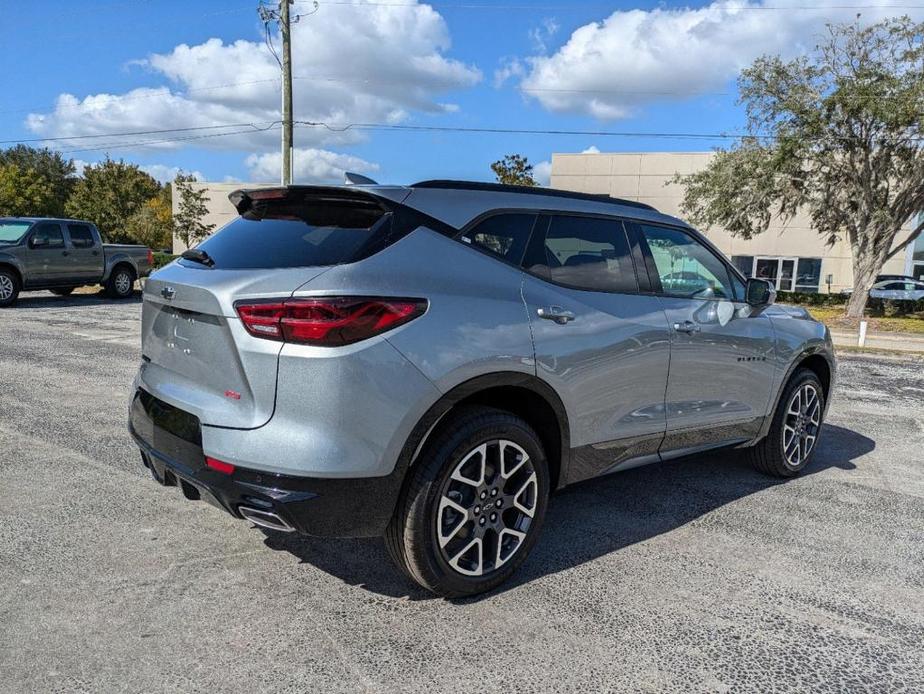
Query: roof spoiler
{"points": [[243, 199]]}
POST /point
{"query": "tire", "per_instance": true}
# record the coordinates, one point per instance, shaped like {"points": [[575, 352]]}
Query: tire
{"points": [[9, 287], [62, 291], [474, 551], [791, 443], [121, 283]]}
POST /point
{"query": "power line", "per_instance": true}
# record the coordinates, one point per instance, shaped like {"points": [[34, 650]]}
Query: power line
{"points": [[134, 132], [609, 7], [143, 143]]}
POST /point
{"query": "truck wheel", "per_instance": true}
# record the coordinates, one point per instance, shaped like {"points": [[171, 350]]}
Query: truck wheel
{"points": [[62, 291], [473, 505], [9, 287], [121, 283], [792, 440]]}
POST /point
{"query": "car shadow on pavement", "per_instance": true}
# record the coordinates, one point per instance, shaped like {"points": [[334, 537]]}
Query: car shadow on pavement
{"points": [[47, 300], [590, 519]]}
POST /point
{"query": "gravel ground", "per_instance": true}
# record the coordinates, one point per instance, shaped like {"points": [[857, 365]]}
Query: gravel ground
{"points": [[694, 575]]}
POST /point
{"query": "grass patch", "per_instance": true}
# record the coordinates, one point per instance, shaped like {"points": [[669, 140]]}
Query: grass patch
{"points": [[833, 317]]}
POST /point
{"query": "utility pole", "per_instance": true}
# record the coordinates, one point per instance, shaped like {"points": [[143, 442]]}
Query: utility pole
{"points": [[286, 30]]}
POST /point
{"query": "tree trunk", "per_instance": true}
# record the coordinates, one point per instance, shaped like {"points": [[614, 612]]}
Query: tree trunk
{"points": [[867, 263]]}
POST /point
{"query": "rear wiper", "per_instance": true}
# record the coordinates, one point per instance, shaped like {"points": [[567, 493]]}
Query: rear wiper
{"points": [[199, 256]]}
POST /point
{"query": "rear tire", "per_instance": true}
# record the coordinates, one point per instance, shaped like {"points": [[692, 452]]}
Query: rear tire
{"points": [[62, 291], [121, 283], [791, 443], [473, 505], [9, 287]]}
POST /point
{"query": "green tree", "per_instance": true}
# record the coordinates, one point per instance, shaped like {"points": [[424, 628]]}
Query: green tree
{"points": [[23, 192], [191, 210], [514, 169], [152, 224], [55, 172], [836, 133], [108, 194]]}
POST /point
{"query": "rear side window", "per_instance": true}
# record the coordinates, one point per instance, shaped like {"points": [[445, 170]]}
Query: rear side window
{"points": [[505, 235], [81, 236], [300, 233], [48, 235], [589, 253]]}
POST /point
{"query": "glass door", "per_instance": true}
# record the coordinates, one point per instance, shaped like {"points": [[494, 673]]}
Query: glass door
{"points": [[780, 271]]}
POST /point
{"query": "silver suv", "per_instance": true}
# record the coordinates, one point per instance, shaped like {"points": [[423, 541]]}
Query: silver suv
{"points": [[430, 362]]}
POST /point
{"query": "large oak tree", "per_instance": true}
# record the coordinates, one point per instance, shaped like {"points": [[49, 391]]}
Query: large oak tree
{"points": [[836, 133]]}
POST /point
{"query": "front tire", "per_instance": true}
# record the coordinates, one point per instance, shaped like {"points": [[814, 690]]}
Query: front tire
{"points": [[473, 505], [121, 283], [791, 443], [9, 287]]}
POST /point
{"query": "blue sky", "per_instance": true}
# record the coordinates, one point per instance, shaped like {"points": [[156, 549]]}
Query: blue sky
{"points": [[589, 66]]}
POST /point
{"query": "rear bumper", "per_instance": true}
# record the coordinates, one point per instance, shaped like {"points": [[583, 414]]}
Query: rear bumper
{"points": [[171, 448]]}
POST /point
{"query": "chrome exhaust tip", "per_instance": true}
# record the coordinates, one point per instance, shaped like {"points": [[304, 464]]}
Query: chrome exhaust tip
{"points": [[265, 519]]}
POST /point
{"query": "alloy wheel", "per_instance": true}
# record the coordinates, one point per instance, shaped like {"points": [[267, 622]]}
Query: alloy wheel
{"points": [[801, 424], [486, 507], [123, 283], [6, 287]]}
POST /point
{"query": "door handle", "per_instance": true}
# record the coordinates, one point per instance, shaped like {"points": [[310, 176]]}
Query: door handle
{"points": [[688, 327], [555, 313]]}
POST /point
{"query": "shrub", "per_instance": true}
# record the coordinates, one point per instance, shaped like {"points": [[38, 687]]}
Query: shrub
{"points": [[161, 259]]}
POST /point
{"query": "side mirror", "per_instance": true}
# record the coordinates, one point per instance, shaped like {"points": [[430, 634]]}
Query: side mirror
{"points": [[37, 242], [759, 293]]}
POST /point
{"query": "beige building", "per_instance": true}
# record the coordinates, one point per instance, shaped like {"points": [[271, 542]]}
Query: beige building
{"points": [[221, 211], [791, 254]]}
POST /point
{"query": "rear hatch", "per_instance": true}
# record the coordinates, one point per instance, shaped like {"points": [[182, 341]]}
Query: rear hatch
{"points": [[196, 353]]}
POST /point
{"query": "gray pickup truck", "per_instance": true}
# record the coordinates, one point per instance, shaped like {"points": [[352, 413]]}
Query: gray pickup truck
{"points": [[63, 254]]}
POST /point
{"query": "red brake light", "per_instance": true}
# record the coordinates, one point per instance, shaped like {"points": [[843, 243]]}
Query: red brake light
{"points": [[327, 321], [220, 465]]}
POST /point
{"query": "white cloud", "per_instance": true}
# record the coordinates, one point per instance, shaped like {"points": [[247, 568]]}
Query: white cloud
{"points": [[542, 172], [510, 68], [593, 149], [541, 34], [166, 174], [364, 63], [310, 166], [608, 69]]}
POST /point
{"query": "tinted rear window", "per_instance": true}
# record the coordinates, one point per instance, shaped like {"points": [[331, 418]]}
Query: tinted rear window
{"points": [[299, 234]]}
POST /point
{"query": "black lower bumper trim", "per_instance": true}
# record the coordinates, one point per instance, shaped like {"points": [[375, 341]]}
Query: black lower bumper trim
{"points": [[357, 507]]}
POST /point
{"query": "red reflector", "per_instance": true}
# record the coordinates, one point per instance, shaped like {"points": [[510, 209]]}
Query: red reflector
{"points": [[220, 466], [150, 257], [233, 394], [327, 321]]}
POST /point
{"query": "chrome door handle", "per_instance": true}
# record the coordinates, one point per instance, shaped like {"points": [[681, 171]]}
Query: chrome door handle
{"points": [[688, 327], [556, 313]]}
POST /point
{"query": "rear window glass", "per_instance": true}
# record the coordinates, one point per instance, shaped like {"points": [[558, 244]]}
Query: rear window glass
{"points": [[10, 232], [299, 234]]}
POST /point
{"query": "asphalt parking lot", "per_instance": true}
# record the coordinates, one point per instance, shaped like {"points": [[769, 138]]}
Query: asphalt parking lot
{"points": [[695, 575]]}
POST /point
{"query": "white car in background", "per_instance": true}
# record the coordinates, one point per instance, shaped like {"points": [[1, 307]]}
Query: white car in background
{"points": [[898, 290]]}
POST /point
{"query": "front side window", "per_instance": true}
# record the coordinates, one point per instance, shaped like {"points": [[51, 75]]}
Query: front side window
{"points": [[505, 235], [12, 232], [686, 267], [81, 236], [47, 235]]}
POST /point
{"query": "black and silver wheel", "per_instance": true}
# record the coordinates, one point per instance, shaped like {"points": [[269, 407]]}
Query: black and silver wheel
{"points": [[793, 436], [121, 283], [9, 287], [473, 505]]}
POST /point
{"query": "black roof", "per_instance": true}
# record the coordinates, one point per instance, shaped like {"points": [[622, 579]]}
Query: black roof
{"points": [[528, 190]]}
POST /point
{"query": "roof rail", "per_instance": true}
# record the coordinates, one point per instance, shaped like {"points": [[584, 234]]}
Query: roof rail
{"points": [[528, 190]]}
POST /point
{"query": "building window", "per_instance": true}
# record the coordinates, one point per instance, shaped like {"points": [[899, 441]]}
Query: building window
{"points": [[744, 264], [808, 275]]}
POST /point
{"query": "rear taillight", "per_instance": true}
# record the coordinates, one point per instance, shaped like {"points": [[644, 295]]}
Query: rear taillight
{"points": [[327, 321]]}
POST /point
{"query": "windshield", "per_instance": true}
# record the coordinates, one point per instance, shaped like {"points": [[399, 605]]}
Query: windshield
{"points": [[11, 232]]}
